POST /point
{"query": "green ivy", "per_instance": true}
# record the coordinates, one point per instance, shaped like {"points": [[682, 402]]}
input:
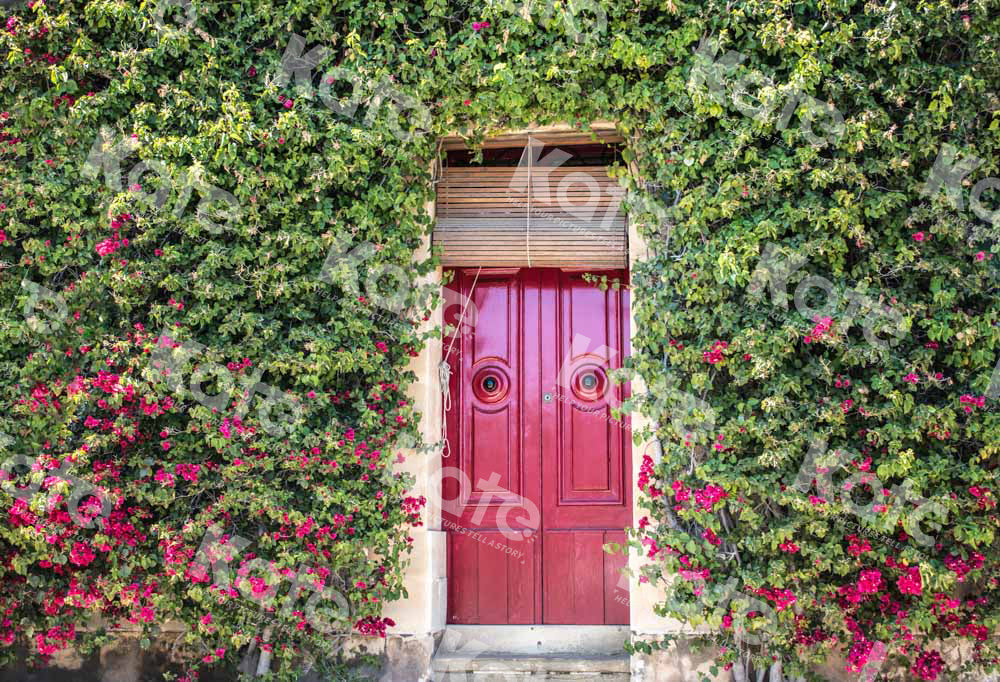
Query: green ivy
{"points": [[811, 142]]}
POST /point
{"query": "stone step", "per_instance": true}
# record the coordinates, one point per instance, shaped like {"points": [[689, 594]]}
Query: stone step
{"points": [[488, 667], [535, 640]]}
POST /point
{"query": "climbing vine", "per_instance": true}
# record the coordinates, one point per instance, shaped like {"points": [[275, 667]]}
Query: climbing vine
{"points": [[203, 206]]}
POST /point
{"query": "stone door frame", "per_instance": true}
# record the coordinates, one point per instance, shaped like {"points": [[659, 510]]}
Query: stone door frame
{"points": [[421, 618]]}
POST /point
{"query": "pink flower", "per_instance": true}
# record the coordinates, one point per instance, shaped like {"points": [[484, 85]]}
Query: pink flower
{"points": [[82, 554], [289, 104], [478, 26], [164, 479], [981, 255], [858, 546], [928, 665], [918, 236], [107, 247], [165, 445], [467, 102], [781, 598], [911, 378], [909, 582], [870, 581], [709, 496], [381, 345], [714, 355], [189, 472]]}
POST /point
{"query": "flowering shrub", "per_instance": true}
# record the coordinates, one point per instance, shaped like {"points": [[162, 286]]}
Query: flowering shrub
{"points": [[834, 492], [175, 381], [832, 487]]}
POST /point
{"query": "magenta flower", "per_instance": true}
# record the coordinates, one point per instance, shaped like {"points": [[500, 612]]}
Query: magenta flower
{"points": [[713, 539], [870, 581], [107, 247], [82, 554], [909, 582]]}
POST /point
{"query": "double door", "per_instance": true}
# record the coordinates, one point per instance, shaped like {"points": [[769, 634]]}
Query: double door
{"points": [[538, 476]]}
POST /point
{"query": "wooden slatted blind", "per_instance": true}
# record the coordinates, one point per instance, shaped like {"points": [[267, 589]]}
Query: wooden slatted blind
{"points": [[530, 216]]}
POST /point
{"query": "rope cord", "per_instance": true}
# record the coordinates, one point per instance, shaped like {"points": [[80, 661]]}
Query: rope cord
{"points": [[527, 235], [444, 369]]}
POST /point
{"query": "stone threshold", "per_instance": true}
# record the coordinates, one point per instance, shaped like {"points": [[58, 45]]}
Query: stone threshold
{"points": [[551, 663], [474, 641]]}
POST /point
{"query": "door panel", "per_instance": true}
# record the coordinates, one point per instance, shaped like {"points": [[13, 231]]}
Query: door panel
{"points": [[541, 470], [486, 585]]}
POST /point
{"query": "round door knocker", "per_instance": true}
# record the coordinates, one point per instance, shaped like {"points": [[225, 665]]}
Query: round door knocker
{"points": [[590, 383], [490, 384]]}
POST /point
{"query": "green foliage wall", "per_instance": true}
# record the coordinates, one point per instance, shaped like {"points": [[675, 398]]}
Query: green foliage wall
{"points": [[258, 176]]}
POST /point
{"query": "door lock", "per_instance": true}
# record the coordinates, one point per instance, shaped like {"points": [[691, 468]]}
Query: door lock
{"points": [[547, 397]]}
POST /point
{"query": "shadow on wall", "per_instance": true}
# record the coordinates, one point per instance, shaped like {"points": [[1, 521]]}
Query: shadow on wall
{"points": [[123, 661]]}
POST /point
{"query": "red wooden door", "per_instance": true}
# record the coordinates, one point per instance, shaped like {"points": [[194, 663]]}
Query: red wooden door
{"points": [[538, 477]]}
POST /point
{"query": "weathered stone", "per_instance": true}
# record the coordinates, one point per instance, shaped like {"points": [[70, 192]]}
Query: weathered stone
{"points": [[122, 661], [674, 664], [408, 658]]}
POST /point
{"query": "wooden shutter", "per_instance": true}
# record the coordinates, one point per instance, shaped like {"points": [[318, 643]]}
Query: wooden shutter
{"points": [[530, 216]]}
